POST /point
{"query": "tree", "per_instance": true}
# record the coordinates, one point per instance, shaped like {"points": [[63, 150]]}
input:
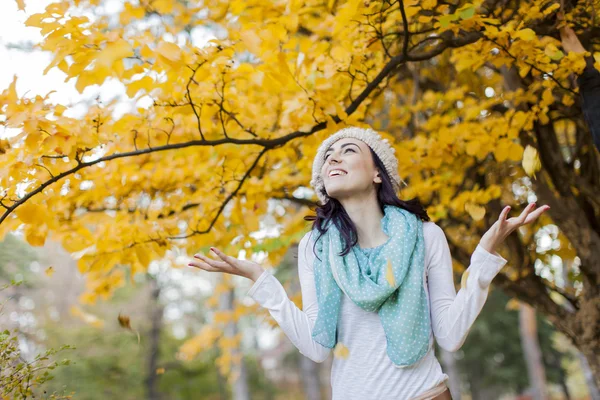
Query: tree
{"points": [[477, 97]]}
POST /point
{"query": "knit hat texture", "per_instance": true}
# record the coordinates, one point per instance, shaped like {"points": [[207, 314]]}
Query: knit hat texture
{"points": [[380, 146]]}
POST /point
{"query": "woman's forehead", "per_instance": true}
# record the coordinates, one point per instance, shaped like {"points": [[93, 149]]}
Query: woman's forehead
{"points": [[340, 142]]}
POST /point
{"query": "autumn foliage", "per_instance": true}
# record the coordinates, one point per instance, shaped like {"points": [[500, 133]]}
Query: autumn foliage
{"points": [[233, 97]]}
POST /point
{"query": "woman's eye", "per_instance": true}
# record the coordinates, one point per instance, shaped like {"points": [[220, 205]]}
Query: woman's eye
{"points": [[347, 150]]}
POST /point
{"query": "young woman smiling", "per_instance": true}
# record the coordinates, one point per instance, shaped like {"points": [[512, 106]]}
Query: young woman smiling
{"points": [[376, 276]]}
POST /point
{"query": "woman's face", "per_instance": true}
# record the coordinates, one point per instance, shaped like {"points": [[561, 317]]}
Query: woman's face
{"points": [[353, 157]]}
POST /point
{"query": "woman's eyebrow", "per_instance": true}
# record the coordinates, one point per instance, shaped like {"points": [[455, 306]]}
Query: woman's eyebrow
{"points": [[342, 146]]}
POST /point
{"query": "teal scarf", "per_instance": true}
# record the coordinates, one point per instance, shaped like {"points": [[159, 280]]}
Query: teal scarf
{"points": [[387, 279]]}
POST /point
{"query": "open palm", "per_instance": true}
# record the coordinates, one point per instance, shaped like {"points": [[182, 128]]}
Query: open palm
{"points": [[227, 264], [503, 227]]}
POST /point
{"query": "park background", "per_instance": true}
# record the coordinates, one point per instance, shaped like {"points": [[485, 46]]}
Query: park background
{"points": [[179, 125]]}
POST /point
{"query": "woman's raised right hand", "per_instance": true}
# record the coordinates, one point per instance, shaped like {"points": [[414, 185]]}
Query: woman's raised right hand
{"points": [[228, 264]]}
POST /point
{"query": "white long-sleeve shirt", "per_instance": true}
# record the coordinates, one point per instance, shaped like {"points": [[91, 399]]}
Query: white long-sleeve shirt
{"points": [[368, 373]]}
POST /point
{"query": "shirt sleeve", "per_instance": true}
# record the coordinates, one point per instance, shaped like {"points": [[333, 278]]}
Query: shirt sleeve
{"points": [[296, 324], [453, 314], [589, 89]]}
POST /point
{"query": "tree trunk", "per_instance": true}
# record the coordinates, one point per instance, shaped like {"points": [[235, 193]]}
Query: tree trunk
{"points": [[240, 389], [156, 313], [309, 373], [532, 352], [585, 366], [451, 369]]}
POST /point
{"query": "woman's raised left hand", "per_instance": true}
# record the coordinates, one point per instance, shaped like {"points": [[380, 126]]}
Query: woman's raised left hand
{"points": [[503, 227]]}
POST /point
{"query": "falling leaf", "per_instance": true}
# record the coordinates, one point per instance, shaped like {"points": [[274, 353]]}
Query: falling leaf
{"points": [[476, 211], [463, 280], [513, 304], [21, 5], [86, 317], [49, 271], [341, 351], [389, 274], [160, 371], [531, 161], [124, 321]]}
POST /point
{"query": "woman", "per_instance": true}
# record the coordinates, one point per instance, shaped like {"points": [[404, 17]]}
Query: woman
{"points": [[376, 277]]}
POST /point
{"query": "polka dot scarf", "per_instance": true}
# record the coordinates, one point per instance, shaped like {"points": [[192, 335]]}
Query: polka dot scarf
{"points": [[387, 279]]}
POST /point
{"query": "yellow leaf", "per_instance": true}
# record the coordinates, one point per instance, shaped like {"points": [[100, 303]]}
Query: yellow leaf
{"points": [[525, 34], [86, 317], [513, 304], [428, 4], [49, 271], [472, 147], [341, 351], [160, 371], [31, 213], [389, 274], [506, 149], [531, 161], [476, 211], [113, 52], [21, 5], [169, 51], [131, 12], [463, 279], [547, 97], [568, 100], [146, 83], [346, 13], [252, 42], [36, 234]]}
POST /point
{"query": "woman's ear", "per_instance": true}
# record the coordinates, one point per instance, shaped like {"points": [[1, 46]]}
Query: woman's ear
{"points": [[377, 179]]}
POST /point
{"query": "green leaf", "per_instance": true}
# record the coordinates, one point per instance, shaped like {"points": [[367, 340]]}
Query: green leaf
{"points": [[446, 19], [467, 12]]}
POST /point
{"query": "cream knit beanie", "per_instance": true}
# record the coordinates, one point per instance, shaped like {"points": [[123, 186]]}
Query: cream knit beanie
{"points": [[380, 146]]}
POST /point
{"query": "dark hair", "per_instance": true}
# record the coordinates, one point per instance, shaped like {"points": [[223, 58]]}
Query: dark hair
{"points": [[334, 211]]}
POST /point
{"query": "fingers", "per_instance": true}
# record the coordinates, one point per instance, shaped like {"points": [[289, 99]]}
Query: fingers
{"points": [[521, 218], [223, 256], [504, 214], [203, 265], [209, 264], [535, 214]]}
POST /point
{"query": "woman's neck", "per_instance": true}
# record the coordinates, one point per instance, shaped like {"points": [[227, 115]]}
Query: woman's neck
{"points": [[366, 216]]}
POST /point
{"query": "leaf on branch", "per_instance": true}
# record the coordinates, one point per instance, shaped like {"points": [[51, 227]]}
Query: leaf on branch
{"points": [[525, 34]]}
